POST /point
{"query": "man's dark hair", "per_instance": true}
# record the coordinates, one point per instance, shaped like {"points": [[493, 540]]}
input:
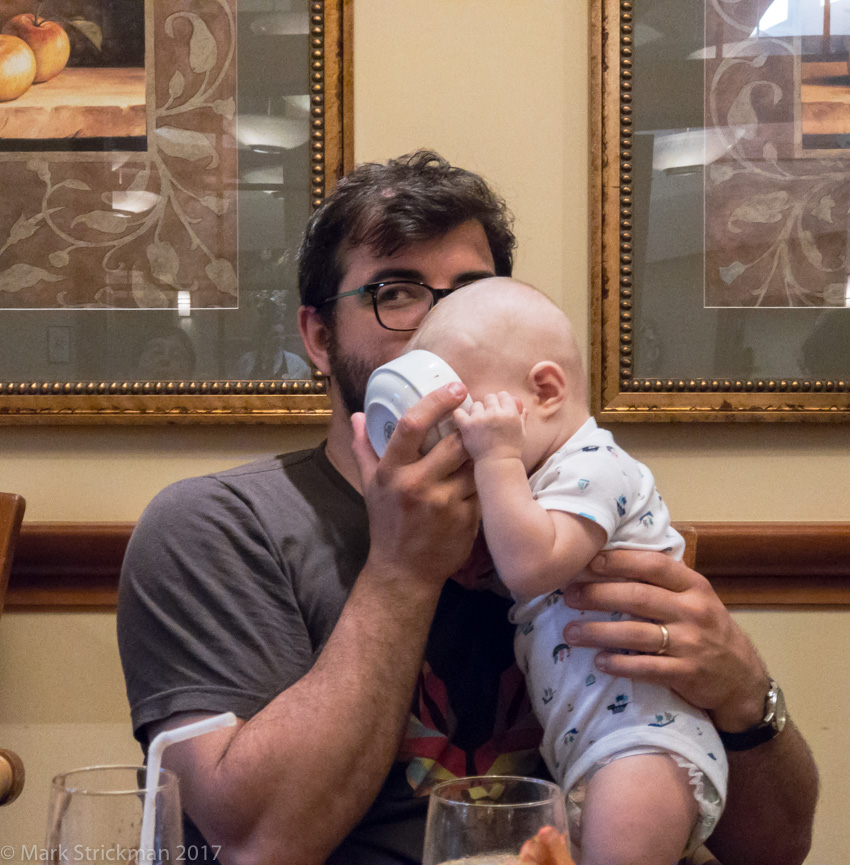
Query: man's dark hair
{"points": [[416, 197]]}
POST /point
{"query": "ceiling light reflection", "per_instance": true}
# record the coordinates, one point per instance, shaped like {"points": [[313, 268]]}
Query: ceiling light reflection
{"points": [[134, 202], [261, 131], [692, 148], [281, 24], [297, 106]]}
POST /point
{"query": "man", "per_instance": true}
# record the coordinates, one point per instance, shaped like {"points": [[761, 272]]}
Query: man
{"points": [[313, 594]]}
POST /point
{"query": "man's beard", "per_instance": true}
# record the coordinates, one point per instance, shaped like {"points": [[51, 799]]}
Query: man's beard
{"points": [[349, 375]]}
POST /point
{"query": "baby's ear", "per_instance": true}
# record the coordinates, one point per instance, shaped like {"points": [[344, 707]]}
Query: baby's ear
{"points": [[548, 382]]}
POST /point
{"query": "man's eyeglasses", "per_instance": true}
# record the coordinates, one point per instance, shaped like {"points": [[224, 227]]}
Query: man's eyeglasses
{"points": [[398, 305]]}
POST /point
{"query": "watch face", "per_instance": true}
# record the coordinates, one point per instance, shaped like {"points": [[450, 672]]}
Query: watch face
{"points": [[780, 713], [775, 713]]}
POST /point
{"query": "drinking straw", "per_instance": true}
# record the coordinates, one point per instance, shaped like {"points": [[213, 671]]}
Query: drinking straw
{"points": [[159, 744]]}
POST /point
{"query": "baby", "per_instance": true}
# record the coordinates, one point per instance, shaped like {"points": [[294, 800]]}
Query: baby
{"points": [[644, 771]]}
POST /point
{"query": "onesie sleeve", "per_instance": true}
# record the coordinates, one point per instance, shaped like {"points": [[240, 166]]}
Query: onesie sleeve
{"points": [[589, 483], [207, 615]]}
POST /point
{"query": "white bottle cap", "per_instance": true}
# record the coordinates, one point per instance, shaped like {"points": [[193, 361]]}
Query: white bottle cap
{"points": [[397, 386]]}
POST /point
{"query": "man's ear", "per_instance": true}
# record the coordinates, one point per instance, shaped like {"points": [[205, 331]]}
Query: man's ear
{"points": [[316, 337], [548, 382]]}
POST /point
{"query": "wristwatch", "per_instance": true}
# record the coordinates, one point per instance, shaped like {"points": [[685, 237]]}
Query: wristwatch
{"points": [[771, 724]]}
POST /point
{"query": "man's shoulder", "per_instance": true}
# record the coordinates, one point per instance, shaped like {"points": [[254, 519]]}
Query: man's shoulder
{"points": [[250, 490], [260, 508], [268, 472], [270, 467]]}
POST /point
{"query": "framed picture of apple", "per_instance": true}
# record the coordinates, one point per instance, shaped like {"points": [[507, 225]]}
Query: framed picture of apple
{"points": [[164, 157], [73, 75]]}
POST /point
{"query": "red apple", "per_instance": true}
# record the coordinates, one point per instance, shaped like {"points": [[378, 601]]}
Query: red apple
{"points": [[17, 67], [48, 40]]}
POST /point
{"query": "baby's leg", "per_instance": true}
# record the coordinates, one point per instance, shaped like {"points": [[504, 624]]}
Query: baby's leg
{"points": [[638, 810]]}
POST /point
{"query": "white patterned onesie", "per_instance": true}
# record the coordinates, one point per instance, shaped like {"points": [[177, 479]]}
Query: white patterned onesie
{"points": [[590, 718]]}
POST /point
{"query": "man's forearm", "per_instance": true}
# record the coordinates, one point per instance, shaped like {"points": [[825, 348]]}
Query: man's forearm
{"points": [[770, 805], [300, 774]]}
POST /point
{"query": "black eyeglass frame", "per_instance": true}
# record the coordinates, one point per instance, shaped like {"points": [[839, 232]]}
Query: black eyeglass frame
{"points": [[372, 289]]}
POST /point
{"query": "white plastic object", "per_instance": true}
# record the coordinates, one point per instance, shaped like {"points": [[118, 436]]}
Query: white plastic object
{"points": [[397, 386]]}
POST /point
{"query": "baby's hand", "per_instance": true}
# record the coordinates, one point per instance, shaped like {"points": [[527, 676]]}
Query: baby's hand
{"points": [[493, 428]]}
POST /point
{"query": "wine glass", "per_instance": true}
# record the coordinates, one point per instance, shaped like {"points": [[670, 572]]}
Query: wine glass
{"points": [[485, 819], [95, 814]]}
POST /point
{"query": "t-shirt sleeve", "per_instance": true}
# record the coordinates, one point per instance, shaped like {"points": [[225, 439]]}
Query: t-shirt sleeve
{"points": [[207, 616], [589, 485]]}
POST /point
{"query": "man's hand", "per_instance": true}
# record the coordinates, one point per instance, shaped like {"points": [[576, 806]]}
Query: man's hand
{"points": [[492, 429], [478, 571], [710, 662], [423, 510]]}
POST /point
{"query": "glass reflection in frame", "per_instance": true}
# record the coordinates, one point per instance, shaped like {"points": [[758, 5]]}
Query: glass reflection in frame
{"points": [[258, 338], [744, 168]]}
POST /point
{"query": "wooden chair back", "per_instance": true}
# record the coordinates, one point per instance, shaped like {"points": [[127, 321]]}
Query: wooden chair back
{"points": [[12, 508]]}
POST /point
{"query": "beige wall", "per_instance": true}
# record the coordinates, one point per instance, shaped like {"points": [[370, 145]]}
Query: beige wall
{"points": [[501, 87]]}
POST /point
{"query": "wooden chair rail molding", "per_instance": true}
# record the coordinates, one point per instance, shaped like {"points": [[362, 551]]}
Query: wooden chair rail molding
{"points": [[62, 565]]}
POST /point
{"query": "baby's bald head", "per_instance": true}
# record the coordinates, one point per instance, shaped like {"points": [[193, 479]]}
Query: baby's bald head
{"points": [[504, 325]]}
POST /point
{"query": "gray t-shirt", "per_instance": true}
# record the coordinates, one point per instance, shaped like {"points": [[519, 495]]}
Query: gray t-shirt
{"points": [[232, 584]]}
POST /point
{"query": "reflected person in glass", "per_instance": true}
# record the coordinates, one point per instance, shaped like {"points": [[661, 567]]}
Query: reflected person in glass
{"points": [[268, 359]]}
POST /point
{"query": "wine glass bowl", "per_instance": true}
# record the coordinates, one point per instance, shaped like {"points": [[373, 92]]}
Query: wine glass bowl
{"points": [[484, 820], [95, 814]]}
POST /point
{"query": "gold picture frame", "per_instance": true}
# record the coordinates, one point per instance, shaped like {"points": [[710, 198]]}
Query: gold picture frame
{"points": [[719, 253], [68, 360]]}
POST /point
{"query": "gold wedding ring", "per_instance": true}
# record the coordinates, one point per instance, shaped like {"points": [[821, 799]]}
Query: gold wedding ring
{"points": [[665, 640]]}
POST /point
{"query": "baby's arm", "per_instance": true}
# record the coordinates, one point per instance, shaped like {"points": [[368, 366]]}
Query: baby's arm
{"points": [[535, 550]]}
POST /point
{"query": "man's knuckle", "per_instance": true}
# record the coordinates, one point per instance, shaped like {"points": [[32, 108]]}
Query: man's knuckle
{"points": [[689, 636], [409, 424], [406, 489], [702, 616], [702, 584], [383, 475]]}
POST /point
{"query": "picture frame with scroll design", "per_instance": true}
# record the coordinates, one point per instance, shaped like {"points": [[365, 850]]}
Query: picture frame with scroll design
{"points": [[148, 276], [720, 271]]}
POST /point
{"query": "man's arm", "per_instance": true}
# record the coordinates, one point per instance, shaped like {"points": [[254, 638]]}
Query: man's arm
{"points": [[292, 782], [770, 805], [711, 663]]}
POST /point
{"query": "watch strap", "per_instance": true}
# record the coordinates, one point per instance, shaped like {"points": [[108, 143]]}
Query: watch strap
{"points": [[748, 738], [771, 724]]}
